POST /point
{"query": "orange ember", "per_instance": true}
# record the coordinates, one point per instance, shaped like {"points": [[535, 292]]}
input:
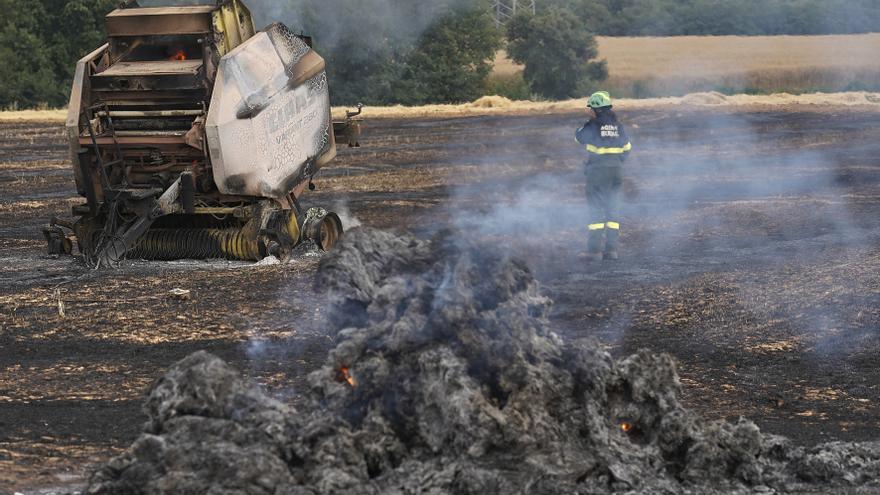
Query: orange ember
{"points": [[345, 376], [626, 427], [179, 56]]}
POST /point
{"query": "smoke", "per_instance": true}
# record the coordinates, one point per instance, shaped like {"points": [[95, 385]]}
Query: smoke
{"points": [[332, 21], [718, 192], [349, 221], [170, 3], [446, 378], [376, 23], [265, 12], [710, 191]]}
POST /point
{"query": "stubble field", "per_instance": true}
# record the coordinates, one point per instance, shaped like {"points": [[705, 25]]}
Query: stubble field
{"points": [[750, 253]]}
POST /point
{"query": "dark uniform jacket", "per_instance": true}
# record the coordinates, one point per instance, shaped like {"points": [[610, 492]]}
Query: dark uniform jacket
{"points": [[605, 139]]}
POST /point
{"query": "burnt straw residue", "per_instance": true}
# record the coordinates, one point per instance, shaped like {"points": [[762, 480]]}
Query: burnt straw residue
{"points": [[447, 379]]}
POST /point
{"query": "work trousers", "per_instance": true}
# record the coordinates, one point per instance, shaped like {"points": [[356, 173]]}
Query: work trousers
{"points": [[603, 201]]}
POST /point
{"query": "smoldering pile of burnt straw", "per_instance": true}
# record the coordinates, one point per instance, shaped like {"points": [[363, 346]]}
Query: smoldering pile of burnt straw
{"points": [[446, 379]]}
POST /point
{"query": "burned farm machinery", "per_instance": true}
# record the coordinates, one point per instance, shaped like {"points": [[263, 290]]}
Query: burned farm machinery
{"points": [[192, 135]]}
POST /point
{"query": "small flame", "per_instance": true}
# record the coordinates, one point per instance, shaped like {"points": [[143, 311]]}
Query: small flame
{"points": [[345, 376], [179, 56], [626, 427]]}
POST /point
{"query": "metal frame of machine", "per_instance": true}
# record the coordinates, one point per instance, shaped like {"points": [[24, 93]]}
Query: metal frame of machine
{"points": [[146, 132]]}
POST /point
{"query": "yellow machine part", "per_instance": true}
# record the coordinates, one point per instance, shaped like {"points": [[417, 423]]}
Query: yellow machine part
{"points": [[233, 25], [174, 244], [293, 227], [235, 244]]}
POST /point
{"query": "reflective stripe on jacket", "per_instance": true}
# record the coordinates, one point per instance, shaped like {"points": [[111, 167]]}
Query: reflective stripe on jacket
{"points": [[604, 136]]}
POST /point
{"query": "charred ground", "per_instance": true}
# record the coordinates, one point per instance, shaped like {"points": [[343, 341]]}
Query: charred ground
{"points": [[750, 255]]}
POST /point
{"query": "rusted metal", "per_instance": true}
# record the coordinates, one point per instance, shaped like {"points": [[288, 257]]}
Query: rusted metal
{"points": [[349, 130], [80, 97], [151, 113], [160, 75], [152, 134], [153, 68], [160, 21], [138, 140], [216, 211], [57, 240], [322, 227], [188, 122]]}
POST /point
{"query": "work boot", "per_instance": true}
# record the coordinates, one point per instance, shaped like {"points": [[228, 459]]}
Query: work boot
{"points": [[612, 237], [596, 242], [591, 256]]}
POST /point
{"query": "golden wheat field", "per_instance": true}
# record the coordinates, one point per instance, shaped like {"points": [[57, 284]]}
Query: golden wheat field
{"points": [[695, 66], [668, 66]]}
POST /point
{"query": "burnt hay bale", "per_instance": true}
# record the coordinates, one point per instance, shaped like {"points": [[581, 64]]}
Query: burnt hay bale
{"points": [[447, 379]]}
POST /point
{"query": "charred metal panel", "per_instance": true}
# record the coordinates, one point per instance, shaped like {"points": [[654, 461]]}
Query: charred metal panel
{"points": [[269, 122], [80, 97], [164, 75], [156, 83], [153, 68], [160, 21]]}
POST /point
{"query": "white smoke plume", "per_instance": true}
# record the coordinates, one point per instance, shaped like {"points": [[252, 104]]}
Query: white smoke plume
{"points": [[349, 220]]}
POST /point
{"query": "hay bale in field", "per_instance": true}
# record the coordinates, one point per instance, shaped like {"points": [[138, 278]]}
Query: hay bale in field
{"points": [[710, 98], [493, 101]]}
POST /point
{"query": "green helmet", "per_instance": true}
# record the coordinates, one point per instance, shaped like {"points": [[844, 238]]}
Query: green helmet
{"points": [[600, 99]]}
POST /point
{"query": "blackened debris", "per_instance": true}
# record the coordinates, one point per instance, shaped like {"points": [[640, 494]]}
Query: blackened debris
{"points": [[458, 386]]}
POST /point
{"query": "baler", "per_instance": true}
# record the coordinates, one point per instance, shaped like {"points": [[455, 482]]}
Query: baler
{"points": [[192, 135]]}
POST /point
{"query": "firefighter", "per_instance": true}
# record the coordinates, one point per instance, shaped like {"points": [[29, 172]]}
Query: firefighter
{"points": [[607, 146]]}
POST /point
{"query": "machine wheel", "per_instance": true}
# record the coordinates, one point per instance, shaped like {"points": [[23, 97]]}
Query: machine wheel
{"points": [[331, 232], [323, 228]]}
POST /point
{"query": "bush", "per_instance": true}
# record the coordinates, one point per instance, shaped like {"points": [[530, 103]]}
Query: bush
{"points": [[557, 53], [40, 42], [451, 61], [511, 86]]}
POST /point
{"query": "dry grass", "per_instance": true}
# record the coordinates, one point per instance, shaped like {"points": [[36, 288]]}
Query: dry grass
{"points": [[490, 105], [51, 115], [504, 66], [679, 65], [493, 105]]}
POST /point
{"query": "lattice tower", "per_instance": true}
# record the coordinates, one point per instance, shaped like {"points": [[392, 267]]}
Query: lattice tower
{"points": [[505, 9]]}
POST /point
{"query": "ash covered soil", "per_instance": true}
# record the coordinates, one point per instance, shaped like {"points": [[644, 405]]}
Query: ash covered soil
{"points": [[750, 254]]}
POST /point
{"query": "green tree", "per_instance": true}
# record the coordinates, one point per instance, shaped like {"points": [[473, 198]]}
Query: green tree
{"points": [[26, 77], [557, 51], [387, 51], [40, 42], [720, 17], [452, 60], [393, 51], [364, 53], [362, 64], [78, 28]]}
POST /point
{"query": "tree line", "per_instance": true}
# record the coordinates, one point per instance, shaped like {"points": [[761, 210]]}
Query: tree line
{"points": [[40, 42], [724, 17], [414, 52]]}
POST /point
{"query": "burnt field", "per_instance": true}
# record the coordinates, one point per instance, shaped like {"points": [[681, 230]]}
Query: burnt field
{"points": [[749, 252]]}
